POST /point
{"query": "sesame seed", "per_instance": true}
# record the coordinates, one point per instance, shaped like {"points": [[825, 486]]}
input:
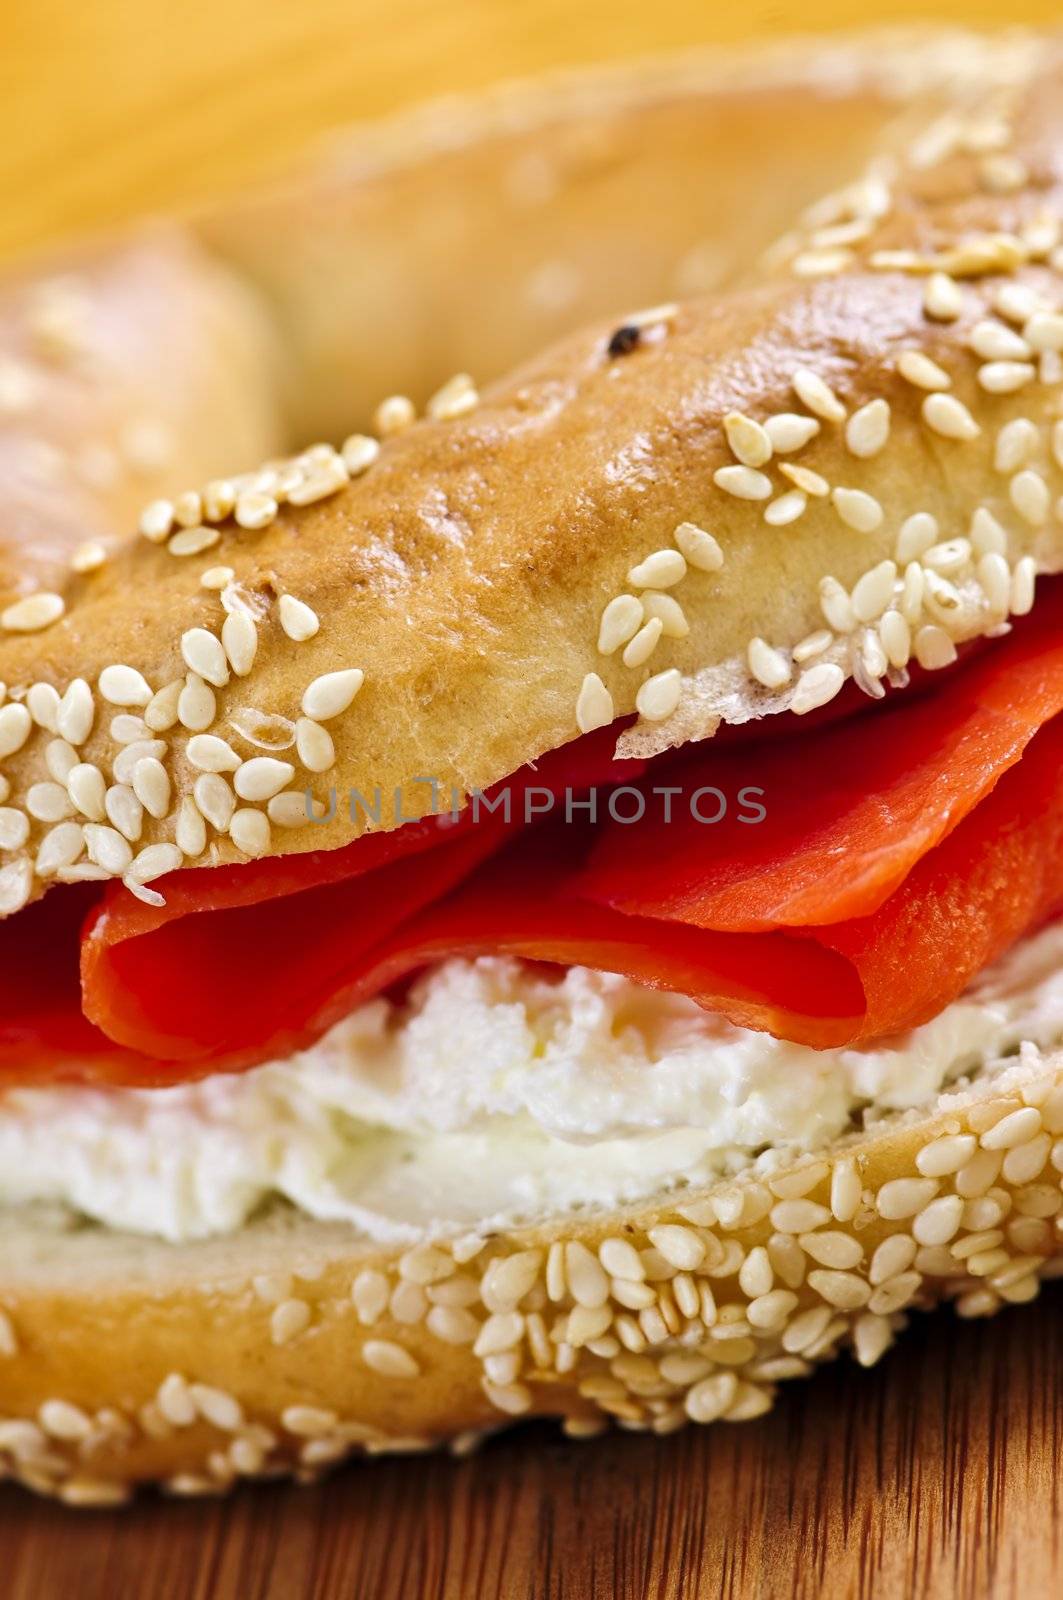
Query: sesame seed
{"points": [[1023, 583], [108, 849], [59, 848], [42, 703], [1016, 442], [193, 541], [250, 833], [77, 712], [814, 393], [798, 1216], [995, 341], [359, 452], [208, 753], [1005, 377], [804, 479], [642, 646], [393, 415], [873, 592], [254, 510], [918, 369], [203, 654], [831, 1248], [16, 883], [1012, 1130], [587, 1281], [749, 442], [15, 727], [812, 645], [260, 778], [768, 666], [456, 398], [124, 686], [659, 695], [816, 686], [156, 521], [239, 638], [743, 482], [661, 570], [594, 704], [868, 429], [37, 611], [949, 417], [216, 578], [785, 509], [842, 1289], [314, 745], [943, 298], [369, 1295], [700, 548], [63, 1420], [161, 712], [939, 1221], [128, 729], [125, 811], [188, 509], [499, 1333], [680, 1246], [215, 1406], [788, 431], [896, 637], [621, 1260], [48, 802], [452, 1324], [88, 557], [755, 1275], [297, 619], [709, 1399], [196, 705], [151, 785], [215, 800], [124, 763], [332, 693], [191, 832], [934, 648], [219, 499], [389, 1359], [1044, 331], [1028, 493], [836, 605], [288, 1320], [155, 861], [14, 828], [668, 612]]}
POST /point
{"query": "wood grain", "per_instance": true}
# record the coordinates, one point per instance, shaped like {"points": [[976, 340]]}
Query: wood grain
{"points": [[118, 107], [933, 1477]]}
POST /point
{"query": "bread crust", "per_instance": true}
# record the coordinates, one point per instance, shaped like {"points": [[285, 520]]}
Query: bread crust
{"points": [[290, 1344]]}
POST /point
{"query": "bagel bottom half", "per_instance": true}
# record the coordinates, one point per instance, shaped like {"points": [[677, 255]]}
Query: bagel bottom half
{"points": [[290, 1344]]}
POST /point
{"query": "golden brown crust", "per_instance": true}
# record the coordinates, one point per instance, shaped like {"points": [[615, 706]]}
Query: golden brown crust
{"points": [[285, 1347], [466, 571]]}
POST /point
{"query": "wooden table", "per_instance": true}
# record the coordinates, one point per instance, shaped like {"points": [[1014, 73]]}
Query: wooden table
{"points": [[936, 1475]]}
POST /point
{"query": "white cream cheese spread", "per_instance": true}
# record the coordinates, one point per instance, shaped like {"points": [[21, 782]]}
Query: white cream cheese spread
{"points": [[496, 1093]]}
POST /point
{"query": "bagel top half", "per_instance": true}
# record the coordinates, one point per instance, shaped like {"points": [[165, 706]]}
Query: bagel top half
{"points": [[644, 522]]}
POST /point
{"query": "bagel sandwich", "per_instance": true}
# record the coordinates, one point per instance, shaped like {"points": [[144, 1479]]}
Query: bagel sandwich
{"points": [[548, 905]]}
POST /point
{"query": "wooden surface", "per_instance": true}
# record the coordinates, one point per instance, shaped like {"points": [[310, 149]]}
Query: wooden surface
{"points": [[935, 1475], [115, 107]]}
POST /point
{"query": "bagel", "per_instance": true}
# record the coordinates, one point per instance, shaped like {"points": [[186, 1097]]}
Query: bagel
{"points": [[824, 498]]}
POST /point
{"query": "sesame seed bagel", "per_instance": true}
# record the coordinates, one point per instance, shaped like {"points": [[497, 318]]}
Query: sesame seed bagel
{"points": [[287, 1346], [716, 510], [845, 462]]}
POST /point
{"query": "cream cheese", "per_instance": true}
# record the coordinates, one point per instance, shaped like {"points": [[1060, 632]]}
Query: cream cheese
{"points": [[496, 1093]]}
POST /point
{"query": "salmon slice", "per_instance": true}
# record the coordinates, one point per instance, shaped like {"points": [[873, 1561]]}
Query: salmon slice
{"points": [[898, 855]]}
